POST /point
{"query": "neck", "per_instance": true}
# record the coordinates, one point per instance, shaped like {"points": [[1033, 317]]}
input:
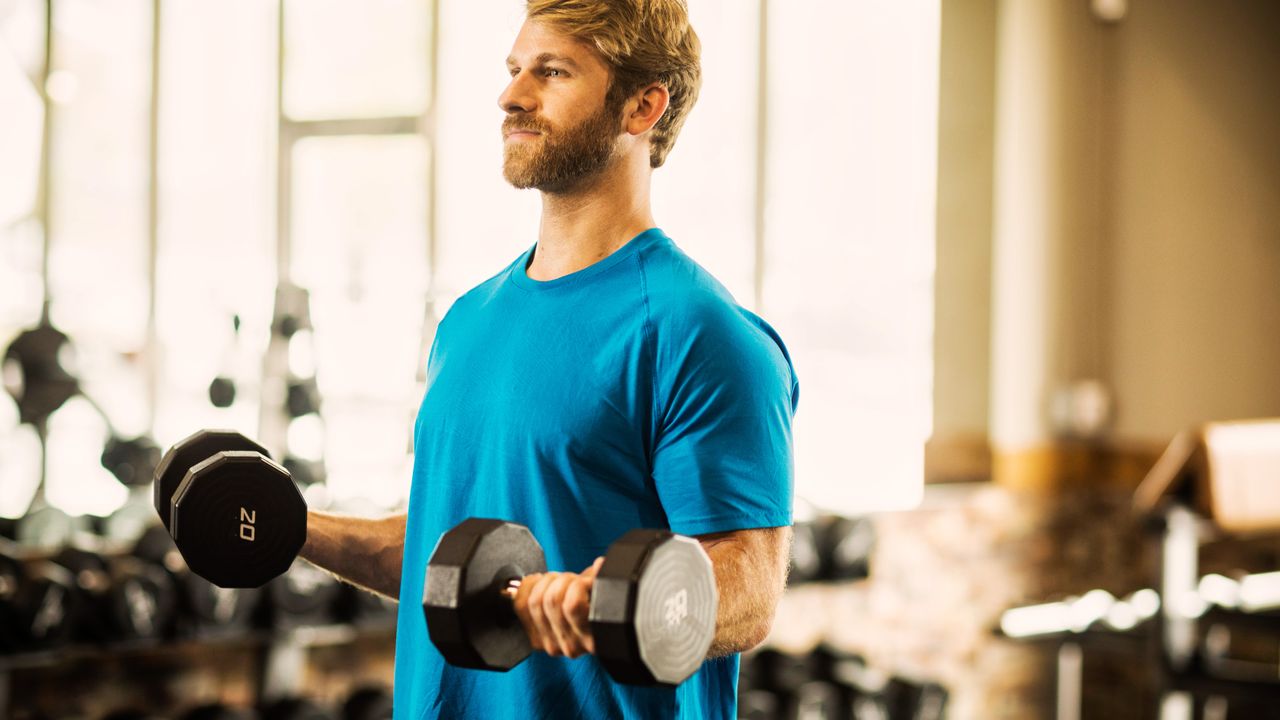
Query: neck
{"points": [[585, 225]]}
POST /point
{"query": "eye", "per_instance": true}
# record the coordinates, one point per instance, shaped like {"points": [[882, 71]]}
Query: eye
{"points": [[553, 72]]}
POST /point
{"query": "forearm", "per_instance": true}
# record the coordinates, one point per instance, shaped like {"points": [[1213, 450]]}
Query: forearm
{"points": [[751, 573], [366, 552]]}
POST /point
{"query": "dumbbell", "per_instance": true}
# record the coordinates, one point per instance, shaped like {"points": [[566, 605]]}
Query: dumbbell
{"points": [[203, 608], [122, 598], [304, 595], [368, 703], [652, 608], [235, 515], [846, 547], [218, 711], [294, 708], [36, 602]]}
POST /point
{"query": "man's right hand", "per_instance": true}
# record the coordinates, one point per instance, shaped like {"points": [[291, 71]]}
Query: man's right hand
{"points": [[554, 609]]}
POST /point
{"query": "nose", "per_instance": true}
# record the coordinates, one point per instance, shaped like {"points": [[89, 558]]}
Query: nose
{"points": [[519, 95]]}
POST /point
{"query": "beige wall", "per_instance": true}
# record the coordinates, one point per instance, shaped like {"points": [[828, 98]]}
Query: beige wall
{"points": [[1134, 211], [966, 132], [1193, 263]]}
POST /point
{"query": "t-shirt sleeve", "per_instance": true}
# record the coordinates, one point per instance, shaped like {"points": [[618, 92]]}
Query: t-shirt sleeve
{"points": [[725, 396]]}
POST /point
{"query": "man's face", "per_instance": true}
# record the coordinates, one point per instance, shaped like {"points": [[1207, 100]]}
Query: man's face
{"points": [[558, 131]]}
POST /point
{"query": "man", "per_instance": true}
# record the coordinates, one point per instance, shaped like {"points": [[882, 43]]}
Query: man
{"points": [[601, 382]]}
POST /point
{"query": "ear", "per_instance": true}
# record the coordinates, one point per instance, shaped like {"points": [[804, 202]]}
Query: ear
{"points": [[645, 108]]}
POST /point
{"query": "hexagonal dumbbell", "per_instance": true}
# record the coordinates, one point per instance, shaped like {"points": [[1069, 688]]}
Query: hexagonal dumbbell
{"points": [[653, 603], [236, 516]]}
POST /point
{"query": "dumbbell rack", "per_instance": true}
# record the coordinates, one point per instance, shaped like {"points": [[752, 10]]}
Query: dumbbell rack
{"points": [[244, 667], [1186, 672]]}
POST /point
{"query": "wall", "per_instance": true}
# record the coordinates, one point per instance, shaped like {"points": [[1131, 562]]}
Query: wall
{"points": [[962, 289], [1108, 193], [1193, 262]]}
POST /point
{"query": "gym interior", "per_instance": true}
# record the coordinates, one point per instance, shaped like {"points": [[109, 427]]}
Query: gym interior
{"points": [[1025, 255]]}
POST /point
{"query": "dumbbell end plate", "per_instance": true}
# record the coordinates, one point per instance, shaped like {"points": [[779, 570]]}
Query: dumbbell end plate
{"points": [[653, 608], [238, 519]]}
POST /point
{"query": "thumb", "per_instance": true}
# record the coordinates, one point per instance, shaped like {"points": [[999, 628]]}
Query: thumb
{"points": [[594, 569]]}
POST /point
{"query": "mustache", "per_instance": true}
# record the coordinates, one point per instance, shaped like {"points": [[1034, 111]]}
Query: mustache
{"points": [[519, 123]]}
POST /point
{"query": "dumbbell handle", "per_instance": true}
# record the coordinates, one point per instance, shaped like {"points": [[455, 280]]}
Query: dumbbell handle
{"points": [[510, 588]]}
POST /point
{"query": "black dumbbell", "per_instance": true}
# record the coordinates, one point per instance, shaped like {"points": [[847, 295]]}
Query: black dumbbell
{"points": [[917, 701], [48, 527], [653, 604], [806, 557], [40, 383], [358, 606], [121, 598], [131, 460], [37, 603], [847, 544], [759, 705], [294, 708], [368, 703], [131, 714], [222, 392], [304, 595], [218, 711], [818, 700], [203, 609], [235, 515]]}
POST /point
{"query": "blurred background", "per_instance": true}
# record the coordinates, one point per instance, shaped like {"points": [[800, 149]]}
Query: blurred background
{"points": [[1015, 248]]}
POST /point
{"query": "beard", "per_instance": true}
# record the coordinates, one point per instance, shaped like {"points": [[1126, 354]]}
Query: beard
{"points": [[559, 160]]}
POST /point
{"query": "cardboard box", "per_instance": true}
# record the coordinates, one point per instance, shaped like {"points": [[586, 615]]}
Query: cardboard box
{"points": [[1227, 471]]}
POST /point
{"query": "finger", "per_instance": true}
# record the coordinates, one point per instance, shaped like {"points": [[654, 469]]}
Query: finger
{"points": [[553, 608], [537, 614], [592, 571], [523, 611], [577, 610]]}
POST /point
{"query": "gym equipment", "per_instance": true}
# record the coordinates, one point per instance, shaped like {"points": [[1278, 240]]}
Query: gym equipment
{"points": [[653, 604], [131, 714], [235, 515], [304, 595], [917, 701], [122, 597], [819, 700], [36, 603], [806, 560], [783, 673], [758, 705], [132, 461], [302, 397], [361, 607], [222, 389], [292, 310], [294, 709], [35, 375], [847, 544], [218, 711], [304, 472], [368, 703], [202, 608], [45, 526], [823, 683], [222, 392], [129, 521]]}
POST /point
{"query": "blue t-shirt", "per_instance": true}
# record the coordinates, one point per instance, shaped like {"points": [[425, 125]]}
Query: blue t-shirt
{"points": [[632, 393]]}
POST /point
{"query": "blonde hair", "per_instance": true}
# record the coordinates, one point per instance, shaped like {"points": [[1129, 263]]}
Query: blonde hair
{"points": [[642, 42]]}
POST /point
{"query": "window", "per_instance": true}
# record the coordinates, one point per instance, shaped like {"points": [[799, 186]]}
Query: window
{"points": [[821, 218]]}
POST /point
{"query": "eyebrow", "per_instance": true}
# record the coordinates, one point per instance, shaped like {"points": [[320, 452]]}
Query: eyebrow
{"points": [[545, 58]]}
